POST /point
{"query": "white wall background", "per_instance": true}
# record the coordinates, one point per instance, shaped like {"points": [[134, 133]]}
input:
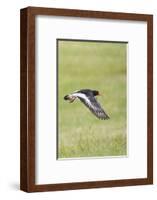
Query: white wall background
{"points": [[10, 99]]}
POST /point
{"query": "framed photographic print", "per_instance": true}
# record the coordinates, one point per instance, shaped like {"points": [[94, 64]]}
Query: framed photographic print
{"points": [[86, 99]]}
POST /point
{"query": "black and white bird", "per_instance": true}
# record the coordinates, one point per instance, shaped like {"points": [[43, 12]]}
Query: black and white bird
{"points": [[87, 97]]}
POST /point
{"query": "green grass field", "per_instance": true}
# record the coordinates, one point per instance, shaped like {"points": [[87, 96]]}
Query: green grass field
{"points": [[93, 65]]}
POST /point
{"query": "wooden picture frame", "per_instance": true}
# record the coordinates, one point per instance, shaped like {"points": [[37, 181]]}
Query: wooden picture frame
{"points": [[27, 98]]}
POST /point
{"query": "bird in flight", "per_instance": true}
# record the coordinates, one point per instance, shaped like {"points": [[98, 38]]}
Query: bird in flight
{"points": [[87, 97]]}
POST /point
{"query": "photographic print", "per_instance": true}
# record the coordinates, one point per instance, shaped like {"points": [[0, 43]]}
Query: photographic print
{"points": [[86, 78], [92, 99]]}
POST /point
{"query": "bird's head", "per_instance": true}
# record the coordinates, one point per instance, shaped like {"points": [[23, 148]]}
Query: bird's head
{"points": [[95, 92]]}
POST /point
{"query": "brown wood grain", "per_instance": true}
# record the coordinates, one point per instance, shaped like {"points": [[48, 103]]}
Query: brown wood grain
{"points": [[27, 98], [23, 100], [150, 98]]}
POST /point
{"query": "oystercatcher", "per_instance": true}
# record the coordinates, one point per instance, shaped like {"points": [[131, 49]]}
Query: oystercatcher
{"points": [[87, 97]]}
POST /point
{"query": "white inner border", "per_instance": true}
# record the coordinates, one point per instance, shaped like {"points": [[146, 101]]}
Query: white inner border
{"points": [[50, 170]]}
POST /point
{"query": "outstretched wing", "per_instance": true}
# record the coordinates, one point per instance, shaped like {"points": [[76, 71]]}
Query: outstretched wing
{"points": [[93, 105]]}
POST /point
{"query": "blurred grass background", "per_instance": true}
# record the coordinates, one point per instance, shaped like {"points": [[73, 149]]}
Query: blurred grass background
{"points": [[93, 65]]}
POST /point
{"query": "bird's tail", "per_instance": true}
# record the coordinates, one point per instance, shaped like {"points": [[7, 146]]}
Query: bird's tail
{"points": [[70, 98], [66, 97]]}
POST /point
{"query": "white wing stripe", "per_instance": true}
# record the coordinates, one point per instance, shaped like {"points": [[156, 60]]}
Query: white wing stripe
{"points": [[83, 96]]}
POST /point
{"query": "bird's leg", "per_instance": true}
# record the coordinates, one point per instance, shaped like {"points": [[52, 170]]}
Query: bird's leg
{"points": [[72, 99]]}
